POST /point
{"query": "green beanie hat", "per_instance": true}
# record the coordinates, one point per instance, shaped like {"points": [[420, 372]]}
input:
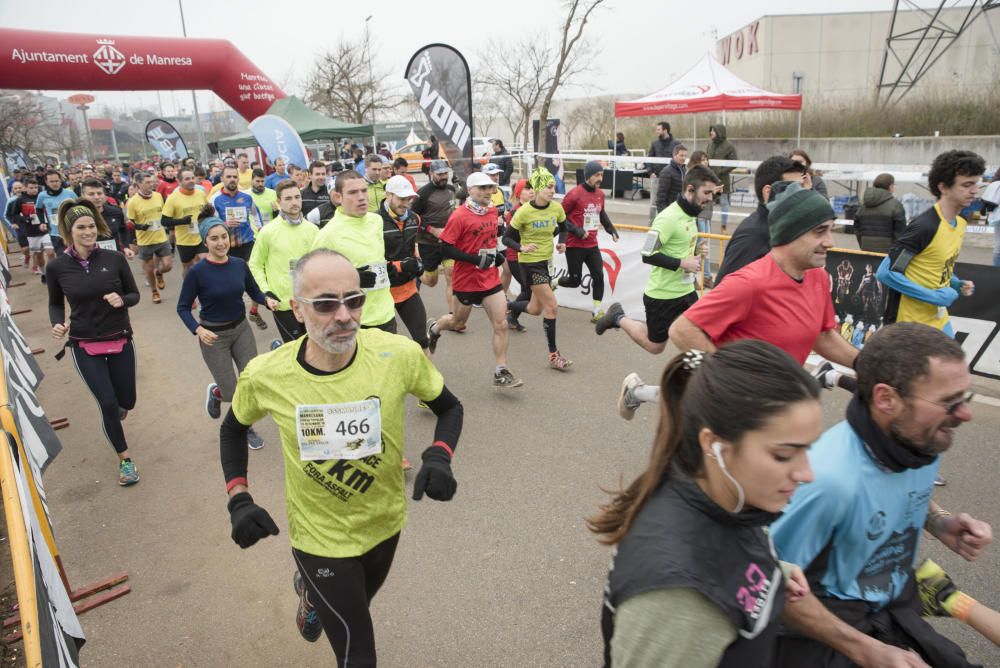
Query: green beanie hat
{"points": [[796, 211], [205, 226]]}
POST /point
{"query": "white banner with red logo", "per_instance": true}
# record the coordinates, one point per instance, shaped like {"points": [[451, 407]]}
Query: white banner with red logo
{"points": [[624, 275]]}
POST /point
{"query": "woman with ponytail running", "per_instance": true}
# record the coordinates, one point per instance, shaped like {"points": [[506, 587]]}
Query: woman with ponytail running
{"points": [[100, 289], [695, 581], [537, 222]]}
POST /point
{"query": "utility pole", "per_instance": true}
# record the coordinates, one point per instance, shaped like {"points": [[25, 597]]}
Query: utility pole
{"points": [[371, 78], [202, 146]]}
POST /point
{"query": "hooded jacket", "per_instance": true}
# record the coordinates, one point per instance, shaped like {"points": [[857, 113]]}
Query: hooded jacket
{"points": [[880, 221], [661, 148], [721, 149]]}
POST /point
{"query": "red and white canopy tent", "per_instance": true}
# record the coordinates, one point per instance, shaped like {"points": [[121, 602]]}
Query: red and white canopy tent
{"points": [[708, 86]]}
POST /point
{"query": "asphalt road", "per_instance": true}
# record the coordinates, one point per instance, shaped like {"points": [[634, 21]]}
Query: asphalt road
{"points": [[504, 575]]}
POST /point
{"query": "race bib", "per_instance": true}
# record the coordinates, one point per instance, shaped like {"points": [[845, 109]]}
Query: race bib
{"points": [[107, 244], [339, 431], [381, 275], [687, 278], [155, 225], [236, 215], [193, 229], [591, 221]]}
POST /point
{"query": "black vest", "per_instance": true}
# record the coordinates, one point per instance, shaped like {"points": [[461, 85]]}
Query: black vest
{"points": [[681, 538]]}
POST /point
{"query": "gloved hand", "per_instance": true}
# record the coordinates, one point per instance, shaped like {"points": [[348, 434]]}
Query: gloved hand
{"points": [[367, 277], [501, 258], [485, 261], [250, 521], [412, 266], [435, 476]]}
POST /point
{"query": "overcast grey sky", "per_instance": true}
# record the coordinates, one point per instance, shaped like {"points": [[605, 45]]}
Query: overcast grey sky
{"points": [[642, 44]]}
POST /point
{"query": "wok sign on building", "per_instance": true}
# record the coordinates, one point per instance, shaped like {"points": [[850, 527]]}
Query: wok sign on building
{"points": [[744, 43]]}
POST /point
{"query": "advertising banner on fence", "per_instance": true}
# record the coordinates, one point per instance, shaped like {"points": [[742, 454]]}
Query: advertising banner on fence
{"points": [[165, 140], [859, 301], [279, 140], [439, 77]]}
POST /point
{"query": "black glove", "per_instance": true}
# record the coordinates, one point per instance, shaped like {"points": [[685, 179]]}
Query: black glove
{"points": [[367, 277], [500, 259], [485, 261], [412, 266], [250, 521], [435, 476]]}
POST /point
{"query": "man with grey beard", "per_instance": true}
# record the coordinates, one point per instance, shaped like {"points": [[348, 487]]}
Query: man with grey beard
{"points": [[337, 396]]}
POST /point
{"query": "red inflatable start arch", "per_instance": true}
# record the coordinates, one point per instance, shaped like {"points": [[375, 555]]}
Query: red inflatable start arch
{"points": [[40, 60]]}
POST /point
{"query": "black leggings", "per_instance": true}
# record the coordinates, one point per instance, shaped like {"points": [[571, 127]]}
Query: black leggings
{"points": [[414, 316], [341, 591], [289, 328], [515, 271], [575, 259], [111, 379]]}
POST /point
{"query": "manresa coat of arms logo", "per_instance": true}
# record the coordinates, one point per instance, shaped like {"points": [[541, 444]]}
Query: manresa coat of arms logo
{"points": [[108, 58]]}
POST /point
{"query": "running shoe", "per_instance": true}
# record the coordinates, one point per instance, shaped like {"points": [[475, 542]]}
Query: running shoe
{"points": [[406, 464], [936, 589], [505, 379], [820, 374], [512, 323], [558, 362], [708, 282], [597, 315], [257, 320], [213, 401], [156, 297], [432, 338], [36, 271], [254, 441], [275, 344], [160, 283], [127, 473], [939, 480], [306, 618], [627, 403], [609, 319]]}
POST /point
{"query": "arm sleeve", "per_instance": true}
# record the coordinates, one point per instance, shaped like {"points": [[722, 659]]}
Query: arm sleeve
{"points": [[452, 253], [512, 238], [450, 414], [233, 447], [722, 307], [670, 628], [609, 227], [900, 283], [661, 260], [189, 290], [57, 301], [43, 216]]}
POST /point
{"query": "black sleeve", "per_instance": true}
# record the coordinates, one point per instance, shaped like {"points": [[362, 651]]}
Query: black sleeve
{"points": [[512, 238], [167, 221], [915, 238], [606, 222], [561, 231], [420, 203], [661, 260], [450, 252], [449, 412], [574, 229], [233, 447], [130, 291], [57, 300]]}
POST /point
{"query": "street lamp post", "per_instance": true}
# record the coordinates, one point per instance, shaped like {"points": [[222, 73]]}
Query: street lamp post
{"points": [[202, 147], [371, 78]]}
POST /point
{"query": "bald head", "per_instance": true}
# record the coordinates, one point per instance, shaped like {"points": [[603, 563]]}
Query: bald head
{"points": [[324, 272]]}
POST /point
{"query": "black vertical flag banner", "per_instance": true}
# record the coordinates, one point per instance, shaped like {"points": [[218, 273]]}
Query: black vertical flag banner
{"points": [[165, 140], [442, 84]]}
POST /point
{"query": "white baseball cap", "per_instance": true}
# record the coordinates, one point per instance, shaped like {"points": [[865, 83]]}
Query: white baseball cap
{"points": [[479, 179], [491, 168], [400, 187]]}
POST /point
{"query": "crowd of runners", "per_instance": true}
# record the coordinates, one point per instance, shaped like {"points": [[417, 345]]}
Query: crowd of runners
{"points": [[753, 538]]}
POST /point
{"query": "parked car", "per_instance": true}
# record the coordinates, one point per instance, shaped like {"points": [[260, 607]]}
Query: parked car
{"points": [[414, 154]]}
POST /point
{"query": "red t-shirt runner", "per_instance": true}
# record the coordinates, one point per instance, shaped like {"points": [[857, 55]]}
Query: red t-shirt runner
{"points": [[471, 232], [760, 301], [583, 208]]}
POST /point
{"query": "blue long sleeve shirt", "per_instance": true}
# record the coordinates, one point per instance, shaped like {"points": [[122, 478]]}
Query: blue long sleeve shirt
{"points": [[219, 289]]}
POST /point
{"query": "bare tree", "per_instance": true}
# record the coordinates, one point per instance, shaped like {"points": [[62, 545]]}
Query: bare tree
{"points": [[592, 122], [343, 84], [520, 79], [25, 122], [572, 56]]}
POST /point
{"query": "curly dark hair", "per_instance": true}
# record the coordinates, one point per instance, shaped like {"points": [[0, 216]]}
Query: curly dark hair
{"points": [[951, 164]]}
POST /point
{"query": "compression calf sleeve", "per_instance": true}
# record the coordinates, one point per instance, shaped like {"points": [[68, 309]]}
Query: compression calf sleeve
{"points": [[549, 325]]}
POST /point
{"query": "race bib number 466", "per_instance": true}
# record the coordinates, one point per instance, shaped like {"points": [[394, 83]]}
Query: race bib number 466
{"points": [[339, 431]]}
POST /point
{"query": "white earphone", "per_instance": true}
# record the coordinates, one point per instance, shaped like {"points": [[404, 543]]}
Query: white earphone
{"points": [[716, 454]]}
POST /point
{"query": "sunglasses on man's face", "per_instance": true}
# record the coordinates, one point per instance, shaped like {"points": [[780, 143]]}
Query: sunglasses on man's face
{"points": [[327, 305]]}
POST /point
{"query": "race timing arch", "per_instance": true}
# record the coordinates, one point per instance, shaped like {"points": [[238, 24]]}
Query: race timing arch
{"points": [[41, 60]]}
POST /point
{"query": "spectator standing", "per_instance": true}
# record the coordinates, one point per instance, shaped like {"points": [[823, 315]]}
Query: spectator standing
{"points": [[720, 148], [881, 219], [501, 158], [670, 185]]}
